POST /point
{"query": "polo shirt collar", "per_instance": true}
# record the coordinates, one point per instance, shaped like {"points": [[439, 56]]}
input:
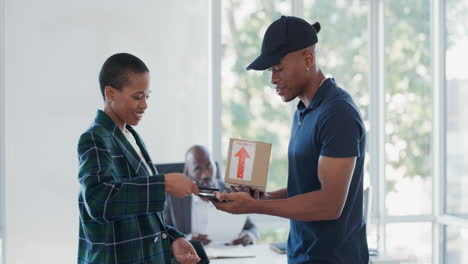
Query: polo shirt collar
{"points": [[322, 93]]}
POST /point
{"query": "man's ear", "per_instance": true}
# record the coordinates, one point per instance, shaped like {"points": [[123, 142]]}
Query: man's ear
{"points": [[309, 58]]}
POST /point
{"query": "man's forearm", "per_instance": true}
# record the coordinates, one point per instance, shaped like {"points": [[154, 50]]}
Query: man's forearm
{"points": [[312, 206], [279, 194]]}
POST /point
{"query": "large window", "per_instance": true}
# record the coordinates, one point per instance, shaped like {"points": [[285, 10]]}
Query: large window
{"points": [[343, 45], [456, 117], [408, 122], [251, 108], [413, 222], [342, 53], [408, 128], [456, 131]]}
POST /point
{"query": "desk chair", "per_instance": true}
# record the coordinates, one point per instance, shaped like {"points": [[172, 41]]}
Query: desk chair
{"points": [[170, 167]]}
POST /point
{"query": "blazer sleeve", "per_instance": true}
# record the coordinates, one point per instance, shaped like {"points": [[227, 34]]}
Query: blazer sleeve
{"points": [[173, 233], [107, 199]]}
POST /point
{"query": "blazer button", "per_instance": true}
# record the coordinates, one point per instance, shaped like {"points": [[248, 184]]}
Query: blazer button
{"points": [[164, 235]]}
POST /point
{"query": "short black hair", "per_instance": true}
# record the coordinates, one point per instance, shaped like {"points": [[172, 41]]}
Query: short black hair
{"points": [[115, 70]]}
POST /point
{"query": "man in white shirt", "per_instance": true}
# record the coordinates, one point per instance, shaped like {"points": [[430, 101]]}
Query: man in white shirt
{"points": [[189, 214]]}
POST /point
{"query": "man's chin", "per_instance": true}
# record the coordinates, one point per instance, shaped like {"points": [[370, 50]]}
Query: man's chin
{"points": [[287, 99]]}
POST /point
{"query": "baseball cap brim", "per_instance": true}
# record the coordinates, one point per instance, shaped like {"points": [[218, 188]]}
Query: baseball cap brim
{"points": [[264, 61]]}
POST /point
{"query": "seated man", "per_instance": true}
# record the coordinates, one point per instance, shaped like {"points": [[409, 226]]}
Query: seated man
{"points": [[185, 213]]}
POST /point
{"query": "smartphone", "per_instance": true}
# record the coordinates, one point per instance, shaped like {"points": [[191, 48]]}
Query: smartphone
{"points": [[209, 196], [209, 189]]}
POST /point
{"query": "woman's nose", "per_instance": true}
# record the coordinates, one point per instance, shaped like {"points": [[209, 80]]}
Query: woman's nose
{"points": [[144, 103]]}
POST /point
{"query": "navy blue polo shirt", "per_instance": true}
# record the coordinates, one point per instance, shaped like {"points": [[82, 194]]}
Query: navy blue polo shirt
{"points": [[330, 126]]}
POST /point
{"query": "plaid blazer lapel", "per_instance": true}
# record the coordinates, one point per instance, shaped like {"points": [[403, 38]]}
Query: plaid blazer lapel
{"points": [[127, 149], [143, 149]]}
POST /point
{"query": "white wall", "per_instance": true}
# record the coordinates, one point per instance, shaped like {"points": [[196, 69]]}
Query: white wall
{"points": [[2, 127], [54, 50]]}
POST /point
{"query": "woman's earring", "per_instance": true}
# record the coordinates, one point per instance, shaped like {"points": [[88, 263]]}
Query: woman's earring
{"points": [[307, 69], [110, 100]]}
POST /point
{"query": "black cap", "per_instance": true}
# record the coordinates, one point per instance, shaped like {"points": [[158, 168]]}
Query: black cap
{"points": [[285, 35]]}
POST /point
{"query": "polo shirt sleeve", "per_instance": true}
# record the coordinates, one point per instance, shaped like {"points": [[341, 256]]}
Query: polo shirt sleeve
{"points": [[341, 131]]}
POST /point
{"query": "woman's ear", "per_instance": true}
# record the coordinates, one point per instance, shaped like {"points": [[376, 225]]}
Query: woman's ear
{"points": [[109, 92]]}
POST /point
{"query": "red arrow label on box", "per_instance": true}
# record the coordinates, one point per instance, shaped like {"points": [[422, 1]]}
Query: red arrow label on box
{"points": [[242, 155]]}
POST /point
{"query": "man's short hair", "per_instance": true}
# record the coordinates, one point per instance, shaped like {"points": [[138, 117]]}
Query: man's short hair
{"points": [[115, 70]]}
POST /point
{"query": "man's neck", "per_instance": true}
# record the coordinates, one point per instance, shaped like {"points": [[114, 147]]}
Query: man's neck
{"points": [[312, 88]]}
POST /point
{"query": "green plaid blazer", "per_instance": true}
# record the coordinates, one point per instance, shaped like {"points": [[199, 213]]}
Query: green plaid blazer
{"points": [[121, 205]]}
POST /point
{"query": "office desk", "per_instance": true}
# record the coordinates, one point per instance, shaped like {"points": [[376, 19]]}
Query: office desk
{"points": [[263, 254]]}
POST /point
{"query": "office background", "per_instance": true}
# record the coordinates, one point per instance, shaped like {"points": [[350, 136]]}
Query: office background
{"points": [[404, 62]]}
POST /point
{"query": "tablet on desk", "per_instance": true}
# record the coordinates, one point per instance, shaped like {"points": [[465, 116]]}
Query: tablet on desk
{"points": [[279, 247]]}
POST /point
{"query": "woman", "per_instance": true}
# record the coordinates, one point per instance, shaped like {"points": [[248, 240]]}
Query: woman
{"points": [[122, 195]]}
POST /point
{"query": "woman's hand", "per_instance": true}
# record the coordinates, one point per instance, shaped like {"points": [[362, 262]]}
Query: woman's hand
{"points": [[184, 252], [179, 185]]}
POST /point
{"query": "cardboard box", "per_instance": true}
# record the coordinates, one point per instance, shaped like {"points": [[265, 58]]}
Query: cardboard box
{"points": [[248, 163]]}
